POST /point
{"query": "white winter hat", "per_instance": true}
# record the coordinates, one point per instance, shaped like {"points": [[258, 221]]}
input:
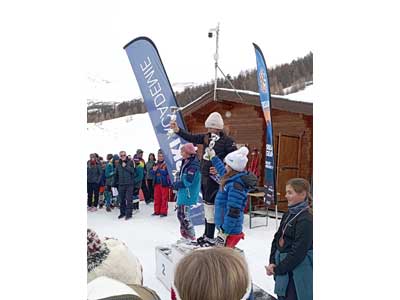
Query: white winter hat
{"points": [[119, 263], [214, 120], [237, 160]]}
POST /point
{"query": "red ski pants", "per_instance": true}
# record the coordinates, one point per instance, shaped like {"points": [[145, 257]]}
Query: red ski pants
{"points": [[233, 239], [160, 199]]}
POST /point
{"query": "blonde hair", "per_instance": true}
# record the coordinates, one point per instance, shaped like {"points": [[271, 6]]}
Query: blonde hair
{"points": [[227, 175], [212, 274], [300, 185]]}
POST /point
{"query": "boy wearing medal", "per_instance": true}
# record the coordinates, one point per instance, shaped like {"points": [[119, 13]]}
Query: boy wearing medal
{"points": [[291, 249]]}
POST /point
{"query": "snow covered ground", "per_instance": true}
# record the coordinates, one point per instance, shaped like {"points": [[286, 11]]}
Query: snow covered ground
{"points": [[144, 232]]}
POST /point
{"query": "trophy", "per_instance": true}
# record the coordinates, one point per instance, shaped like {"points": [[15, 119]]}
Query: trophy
{"points": [[214, 138], [175, 174], [174, 110]]}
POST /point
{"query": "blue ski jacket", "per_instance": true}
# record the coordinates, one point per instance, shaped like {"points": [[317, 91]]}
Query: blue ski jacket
{"points": [[231, 200], [188, 184], [161, 174]]}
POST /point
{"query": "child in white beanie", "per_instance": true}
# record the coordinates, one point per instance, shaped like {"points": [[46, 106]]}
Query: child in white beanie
{"points": [[232, 195]]}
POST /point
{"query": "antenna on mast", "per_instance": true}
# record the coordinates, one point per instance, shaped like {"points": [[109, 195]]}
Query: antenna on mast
{"points": [[210, 35]]}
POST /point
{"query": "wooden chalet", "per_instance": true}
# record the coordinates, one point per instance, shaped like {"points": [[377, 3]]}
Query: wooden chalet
{"points": [[244, 121]]}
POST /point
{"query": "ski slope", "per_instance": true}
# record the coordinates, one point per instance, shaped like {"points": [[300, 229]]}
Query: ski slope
{"points": [[126, 133]]}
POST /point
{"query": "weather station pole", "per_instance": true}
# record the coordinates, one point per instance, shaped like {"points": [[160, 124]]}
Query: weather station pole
{"points": [[216, 56], [210, 35]]}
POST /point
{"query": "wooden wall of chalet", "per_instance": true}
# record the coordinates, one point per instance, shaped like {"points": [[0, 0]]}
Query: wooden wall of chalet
{"points": [[247, 126], [295, 124]]}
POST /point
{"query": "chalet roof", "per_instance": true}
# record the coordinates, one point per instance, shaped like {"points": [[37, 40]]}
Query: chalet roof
{"points": [[251, 98]]}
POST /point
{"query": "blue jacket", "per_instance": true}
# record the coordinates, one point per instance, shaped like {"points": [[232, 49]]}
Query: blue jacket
{"points": [[161, 175], [188, 184], [302, 277], [231, 200]]}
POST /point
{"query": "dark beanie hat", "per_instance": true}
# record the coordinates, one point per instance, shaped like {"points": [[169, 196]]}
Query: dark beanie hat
{"points": [[115, 157]]}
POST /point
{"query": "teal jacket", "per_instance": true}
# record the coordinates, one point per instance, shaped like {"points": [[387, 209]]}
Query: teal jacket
{"points": [[188, 184], [109, 173], [302, 277], [139, 175]]}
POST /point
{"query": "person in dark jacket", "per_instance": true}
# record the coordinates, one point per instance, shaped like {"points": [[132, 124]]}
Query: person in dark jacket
{"points": [[188, 187], [94, 173], [149, 178], [291, 250], [125, 180], [161, 186], [114, 187], [232, 196], [209, 183]]}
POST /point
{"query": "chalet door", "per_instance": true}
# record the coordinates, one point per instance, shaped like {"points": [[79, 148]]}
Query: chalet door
{"points": [[287, 164]]}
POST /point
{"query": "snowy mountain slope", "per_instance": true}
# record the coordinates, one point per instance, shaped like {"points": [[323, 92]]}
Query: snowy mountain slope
{"points": [[102, 91], [179, 87], [126, 133]]}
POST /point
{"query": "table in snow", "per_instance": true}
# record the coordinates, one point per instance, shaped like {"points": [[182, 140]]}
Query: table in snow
{"points": [[256, 210], [260, 210]]}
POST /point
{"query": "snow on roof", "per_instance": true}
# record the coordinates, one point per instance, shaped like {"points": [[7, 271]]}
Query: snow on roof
{"points": [[195, 100], [306, 95], [240, 91]]}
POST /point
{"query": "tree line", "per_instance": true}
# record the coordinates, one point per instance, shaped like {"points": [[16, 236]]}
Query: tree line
{"points": [[283, 79]]}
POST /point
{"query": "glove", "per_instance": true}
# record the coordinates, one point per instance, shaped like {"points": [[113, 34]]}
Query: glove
{"points": [[210, 153], [221, 239]]}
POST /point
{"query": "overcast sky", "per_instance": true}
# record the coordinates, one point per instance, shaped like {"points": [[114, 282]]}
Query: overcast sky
{"points": [[179, 30]]}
